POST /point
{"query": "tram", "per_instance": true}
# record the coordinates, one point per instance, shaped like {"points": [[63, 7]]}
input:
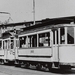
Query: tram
{"points": [[8, 49], [50, 44]]}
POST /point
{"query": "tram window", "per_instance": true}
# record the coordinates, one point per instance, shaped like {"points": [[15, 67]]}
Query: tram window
{"points": [[70, 35], [0, 44], [5, 44], [62, 36], [29, 41], [53, 37], [23, 42], [9, 43], [44, 39], [57, 36], [12, 44], [32, 41]]}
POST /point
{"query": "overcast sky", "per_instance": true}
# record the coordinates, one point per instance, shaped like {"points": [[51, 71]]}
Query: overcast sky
{"points": [[22, 10]]}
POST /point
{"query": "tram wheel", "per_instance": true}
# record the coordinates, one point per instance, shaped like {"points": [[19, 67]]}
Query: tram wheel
{"points": [[22, 64], [27, 65], [38, 66], [2, 62], [18, 65], [50, 67]]}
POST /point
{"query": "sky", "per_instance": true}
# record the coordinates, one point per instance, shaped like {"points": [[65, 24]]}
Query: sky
{"points": [[22, 10]]}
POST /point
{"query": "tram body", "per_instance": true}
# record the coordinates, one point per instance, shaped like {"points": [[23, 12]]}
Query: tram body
{"points": [[33, 54], [48, 45], [8, 50]]}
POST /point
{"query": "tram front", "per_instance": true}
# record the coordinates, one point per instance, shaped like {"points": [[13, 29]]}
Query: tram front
{"points": [[66, 45], [10, 49]]}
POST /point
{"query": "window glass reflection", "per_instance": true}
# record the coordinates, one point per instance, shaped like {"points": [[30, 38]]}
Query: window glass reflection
{"points": [[70, 35]]}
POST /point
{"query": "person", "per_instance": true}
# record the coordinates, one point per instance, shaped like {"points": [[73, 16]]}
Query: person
{"points": [[63, 39]]}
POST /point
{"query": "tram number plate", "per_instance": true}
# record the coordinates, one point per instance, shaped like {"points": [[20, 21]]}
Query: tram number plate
{"points": [[32, 51]]}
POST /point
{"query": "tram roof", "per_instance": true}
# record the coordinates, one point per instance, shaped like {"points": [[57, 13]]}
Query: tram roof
{"points": [[8, 34], [5, 35], [19, 24], [16, 24], [66, 19], [54, 21]]}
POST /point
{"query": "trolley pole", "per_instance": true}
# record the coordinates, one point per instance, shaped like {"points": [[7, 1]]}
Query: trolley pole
{"points": [[34, 11]]}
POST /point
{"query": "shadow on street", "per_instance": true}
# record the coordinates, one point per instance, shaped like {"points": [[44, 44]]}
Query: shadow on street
{"points": [[62, 71]]}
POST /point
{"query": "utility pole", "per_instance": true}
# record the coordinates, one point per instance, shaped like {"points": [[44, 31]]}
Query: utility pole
{"points": [[34, 11]]}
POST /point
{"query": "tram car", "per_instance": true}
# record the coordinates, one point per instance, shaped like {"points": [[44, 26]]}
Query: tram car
{"points": [[50, 44], [8, 48]]}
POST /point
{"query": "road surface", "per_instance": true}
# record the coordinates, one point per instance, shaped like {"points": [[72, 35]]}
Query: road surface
{"points": [[12, 70]]}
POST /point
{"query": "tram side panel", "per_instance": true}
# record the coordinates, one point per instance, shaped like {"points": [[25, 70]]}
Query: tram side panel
{"points": [[2, 51], [2, 54], [35, 54], [10, 55], [12, 51], [67, 46], [55, 56], [8, 52], [67, 55]]}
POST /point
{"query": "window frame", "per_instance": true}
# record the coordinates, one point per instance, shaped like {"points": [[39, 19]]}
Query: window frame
{"points": [[31, 42], [44, 37], [55, 36], [73, 35], [37, 34], [66, 39], [1, 44]]}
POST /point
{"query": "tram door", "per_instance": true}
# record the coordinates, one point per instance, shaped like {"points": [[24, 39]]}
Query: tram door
{"points": [[51, 42], [55, 45], [10, 49], [16, 46], [5, 47]]}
